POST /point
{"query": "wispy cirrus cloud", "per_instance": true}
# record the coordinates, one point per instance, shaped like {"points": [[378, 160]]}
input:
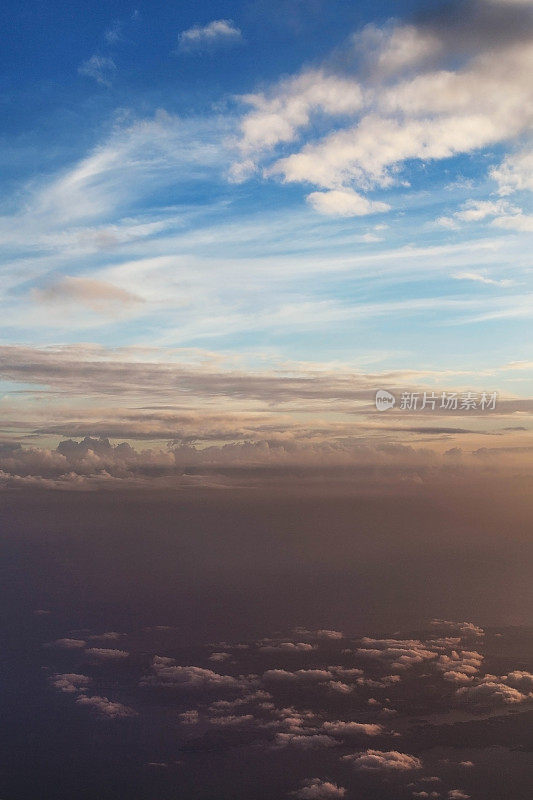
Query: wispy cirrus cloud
{"points": [[101, 68]]}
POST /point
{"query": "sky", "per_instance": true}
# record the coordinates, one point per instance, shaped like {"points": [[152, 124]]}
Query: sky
{"points": [[232, 223], [266, 400]]}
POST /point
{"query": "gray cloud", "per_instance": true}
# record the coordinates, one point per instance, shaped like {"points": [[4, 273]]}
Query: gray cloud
{"points": [[100, 296]]}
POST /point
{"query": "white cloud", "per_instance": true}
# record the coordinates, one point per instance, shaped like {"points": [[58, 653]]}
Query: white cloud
{"points": [[316, 789], [478, 278], [509, 689], [287, 647], [340, 728], [344, 203], [279, 114], [189, 717], [68, 644], [232, 720], [468, 629], [516, 222], [220, 656], [304, 741], [400, 108], [218, 32], [326, 633], [107, 654], [394, 49], [105, 707], [70, 682], [383, 761], [100, 68], [505, 214], [515, 173], [400, 653], [166, 673]]}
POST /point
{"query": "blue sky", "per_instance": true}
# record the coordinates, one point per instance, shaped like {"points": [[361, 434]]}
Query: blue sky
{"points": [[274, 184]]}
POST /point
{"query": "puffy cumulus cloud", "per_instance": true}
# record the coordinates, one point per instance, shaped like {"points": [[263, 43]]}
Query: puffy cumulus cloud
{"points": [[67, 644], [300, 675], [379, 683], [520, 679], [99, 296], [401, 653], [460, 666], [78, 685], [287, 647], [423, 795], [317, 789], [72, 464], [457, 676], [512, 689], [96, 463], [383, 761], [516, 222], [425, 91], [467, 629], [344, 203], [216, 33], [478, 210], [325, 633], [107, 636], [232, 720], [167, 674], [304, 741], [277, 116], [106, 708], [219, 656], [107, 653], [515, 173], [191, 717], [70, 682], [340, 728], [225, 706], [346, 673]]}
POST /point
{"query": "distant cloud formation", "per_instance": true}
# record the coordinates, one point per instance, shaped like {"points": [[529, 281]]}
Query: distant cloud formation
{"points": [[277, 703], [105, 707], [107, 654], [316, 789], [217, 33], [380, 761]]}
